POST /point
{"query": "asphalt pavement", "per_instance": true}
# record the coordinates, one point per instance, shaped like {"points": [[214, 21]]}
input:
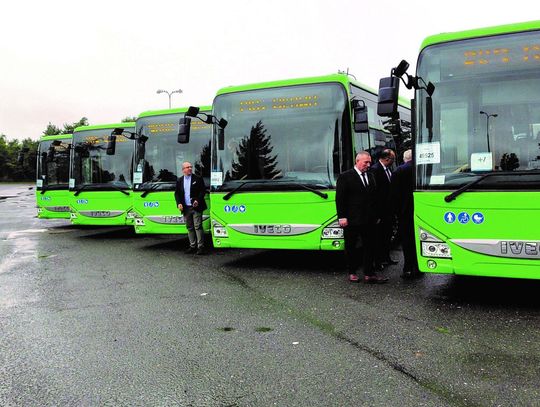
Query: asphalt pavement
{"points": [[102, 316]]}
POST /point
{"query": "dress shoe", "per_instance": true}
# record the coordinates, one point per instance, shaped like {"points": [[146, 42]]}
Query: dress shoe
{"points": [[375, 280], [190, 250], [389, 262], [410, 275], [353, 278], [201, 251]]}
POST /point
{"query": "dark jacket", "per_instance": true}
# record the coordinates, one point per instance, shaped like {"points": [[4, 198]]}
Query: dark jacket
{"points": [[383, 189], [198, 190], [401, 192], [354, 201]]}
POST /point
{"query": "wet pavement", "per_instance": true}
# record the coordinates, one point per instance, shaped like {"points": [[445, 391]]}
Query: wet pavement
{"points": [[101, 316]]}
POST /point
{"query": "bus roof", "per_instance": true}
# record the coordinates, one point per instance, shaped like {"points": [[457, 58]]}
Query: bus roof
{"points": [[106, 126], [480, 32], [342, 78], [172, 111], [56, 137]]}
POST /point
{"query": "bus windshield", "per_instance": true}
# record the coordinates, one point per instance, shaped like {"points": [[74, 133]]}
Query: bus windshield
{"points": [[53, 163], [277, 138], [159, 159], [93, 167], [486, 113]]}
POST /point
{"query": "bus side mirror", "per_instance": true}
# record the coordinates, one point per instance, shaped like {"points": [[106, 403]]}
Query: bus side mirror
{"points": [[111, 145], [361, 120], [387, 105], [184, 128], [220, 139]]}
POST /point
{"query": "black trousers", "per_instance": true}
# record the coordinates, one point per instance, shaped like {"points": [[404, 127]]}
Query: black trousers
{"points": [[384, 236], [408, 244], [352, 234]]}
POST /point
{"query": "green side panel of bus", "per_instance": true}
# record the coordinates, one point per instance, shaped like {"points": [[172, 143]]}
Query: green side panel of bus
{"points": [[53, 204], [157, 213], [282, 212], [507, 217], [105, 208], [102, 207]]}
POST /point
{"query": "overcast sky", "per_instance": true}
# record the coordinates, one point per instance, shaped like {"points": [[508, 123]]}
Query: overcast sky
{"points": [[62, 60]]}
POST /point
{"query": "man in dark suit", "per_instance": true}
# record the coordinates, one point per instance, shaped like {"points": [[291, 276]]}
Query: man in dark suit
{"points": [[401, 194], [189, 195], [383, 175], [357, 215]]}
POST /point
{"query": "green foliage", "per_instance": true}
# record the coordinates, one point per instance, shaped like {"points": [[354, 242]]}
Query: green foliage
{"points": [[254, 159], [70, 127], [17, 159], [129, 119]]}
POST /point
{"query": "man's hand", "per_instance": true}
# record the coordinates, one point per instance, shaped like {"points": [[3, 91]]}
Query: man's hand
{"points": [[195, 204], [180, 207], [343, 222]]}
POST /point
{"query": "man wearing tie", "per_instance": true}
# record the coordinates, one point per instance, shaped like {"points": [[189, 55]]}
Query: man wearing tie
{"points": [[189, 195], [383, 177], [357, 215]]}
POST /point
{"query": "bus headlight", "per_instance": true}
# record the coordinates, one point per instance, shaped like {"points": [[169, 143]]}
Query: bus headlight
{"points": [[432, 246], [219, 230], [332, 231]]}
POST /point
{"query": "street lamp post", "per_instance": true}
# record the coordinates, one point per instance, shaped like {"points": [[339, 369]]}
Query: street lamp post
{"points": [[169, 93], [487, 126]]}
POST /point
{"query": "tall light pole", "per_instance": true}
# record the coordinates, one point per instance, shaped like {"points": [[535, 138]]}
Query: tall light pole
{"points": [[169, 93], [487, 126]]}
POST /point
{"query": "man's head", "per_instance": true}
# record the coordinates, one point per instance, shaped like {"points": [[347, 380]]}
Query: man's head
{"points": [[407, 155], [187, 168], [363, 161], [387, 157]]}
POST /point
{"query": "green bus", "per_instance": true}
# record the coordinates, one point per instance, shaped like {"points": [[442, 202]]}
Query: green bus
{"points": [[52, 196], [277, 150], [100, 174], [477, 152], [158, 163]]}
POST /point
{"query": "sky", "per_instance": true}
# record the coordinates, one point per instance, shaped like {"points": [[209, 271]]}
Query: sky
{"points": [[104, 60]]}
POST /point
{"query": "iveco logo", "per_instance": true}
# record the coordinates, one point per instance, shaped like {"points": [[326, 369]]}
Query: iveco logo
{"points": [[520, 248], [100, 214], [82, 201], [272, 229]]}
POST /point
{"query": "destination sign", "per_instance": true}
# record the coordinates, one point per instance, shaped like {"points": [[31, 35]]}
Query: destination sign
{"points": [[279, 103]]}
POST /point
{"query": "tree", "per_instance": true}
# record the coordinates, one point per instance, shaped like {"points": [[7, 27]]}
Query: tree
{"points": [[129, 119], [254, 159], [52, 130], [202, 165], [69, 128]]}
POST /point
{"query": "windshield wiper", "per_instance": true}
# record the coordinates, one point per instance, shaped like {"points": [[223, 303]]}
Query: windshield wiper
{"points": [[149, 190], [457, 192], [227, 196], [83, 186], [323, 195], [119, 189]]}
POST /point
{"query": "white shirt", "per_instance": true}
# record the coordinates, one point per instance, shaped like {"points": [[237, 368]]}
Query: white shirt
{"points": [[365, 180]]}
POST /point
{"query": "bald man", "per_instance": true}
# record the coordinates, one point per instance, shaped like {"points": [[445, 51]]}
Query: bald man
{"points": [[356, 201]]}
